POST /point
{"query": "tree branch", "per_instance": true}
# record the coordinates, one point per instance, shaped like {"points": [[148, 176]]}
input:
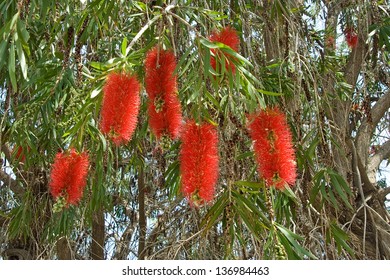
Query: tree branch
{"points": [[7, 151], [375, 160], [3, 220], [364, 134], [380, 155], [383, 193], [355, 61], [11, 183]]}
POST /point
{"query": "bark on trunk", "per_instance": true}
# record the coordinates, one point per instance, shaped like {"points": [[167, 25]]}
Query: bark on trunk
{"points": [[142, 215], [98, 234]]}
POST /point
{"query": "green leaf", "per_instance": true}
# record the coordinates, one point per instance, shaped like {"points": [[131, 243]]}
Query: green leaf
{"points": [[13, 21], [99, 66], [292, 238], [212, 99], [249, 219], [341, 238], [22, 58], [339, 190], [214, 212], [289, 193], [23, 34], [188, 59], [124, 46], [253, 208], [343, 183], [96, 92], [208, 44], [3, 52], [245, 155], [206, 64], [11, 67], [254, 185], [332, 199], [248, 74], [317, 179], [234, 54], [270, 92]]}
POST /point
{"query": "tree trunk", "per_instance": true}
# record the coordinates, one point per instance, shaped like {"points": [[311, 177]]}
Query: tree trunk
{"points": [[98, 232], [142, 215]]}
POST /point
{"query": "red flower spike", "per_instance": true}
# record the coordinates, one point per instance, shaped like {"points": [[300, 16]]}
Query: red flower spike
{"points": [[161, 86], [330, 43], [351, 37], [20, 153], [199, 161], [173, 115], [120, 107], [159, 67], [229, 37], [69, 176], [273, 147]]}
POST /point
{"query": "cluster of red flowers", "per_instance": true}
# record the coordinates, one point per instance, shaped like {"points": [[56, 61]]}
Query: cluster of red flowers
{"points": [[69, 176], [161, 86], [229, 37], [120, 107], [199, 159], [273, 147], [351, 37], [199, 162]]}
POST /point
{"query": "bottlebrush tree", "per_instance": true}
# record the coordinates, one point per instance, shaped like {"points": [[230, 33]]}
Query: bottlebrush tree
{"points": [[188, 157]]}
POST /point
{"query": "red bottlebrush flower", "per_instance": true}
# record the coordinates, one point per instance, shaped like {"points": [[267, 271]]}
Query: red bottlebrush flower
{"points": [[199, 162], [229, 37], [160, 66], [351, 37], [330, 42], [69, 176], [168, 118], [20, 154], [120, 107], [273, 147], [161, 86]]}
